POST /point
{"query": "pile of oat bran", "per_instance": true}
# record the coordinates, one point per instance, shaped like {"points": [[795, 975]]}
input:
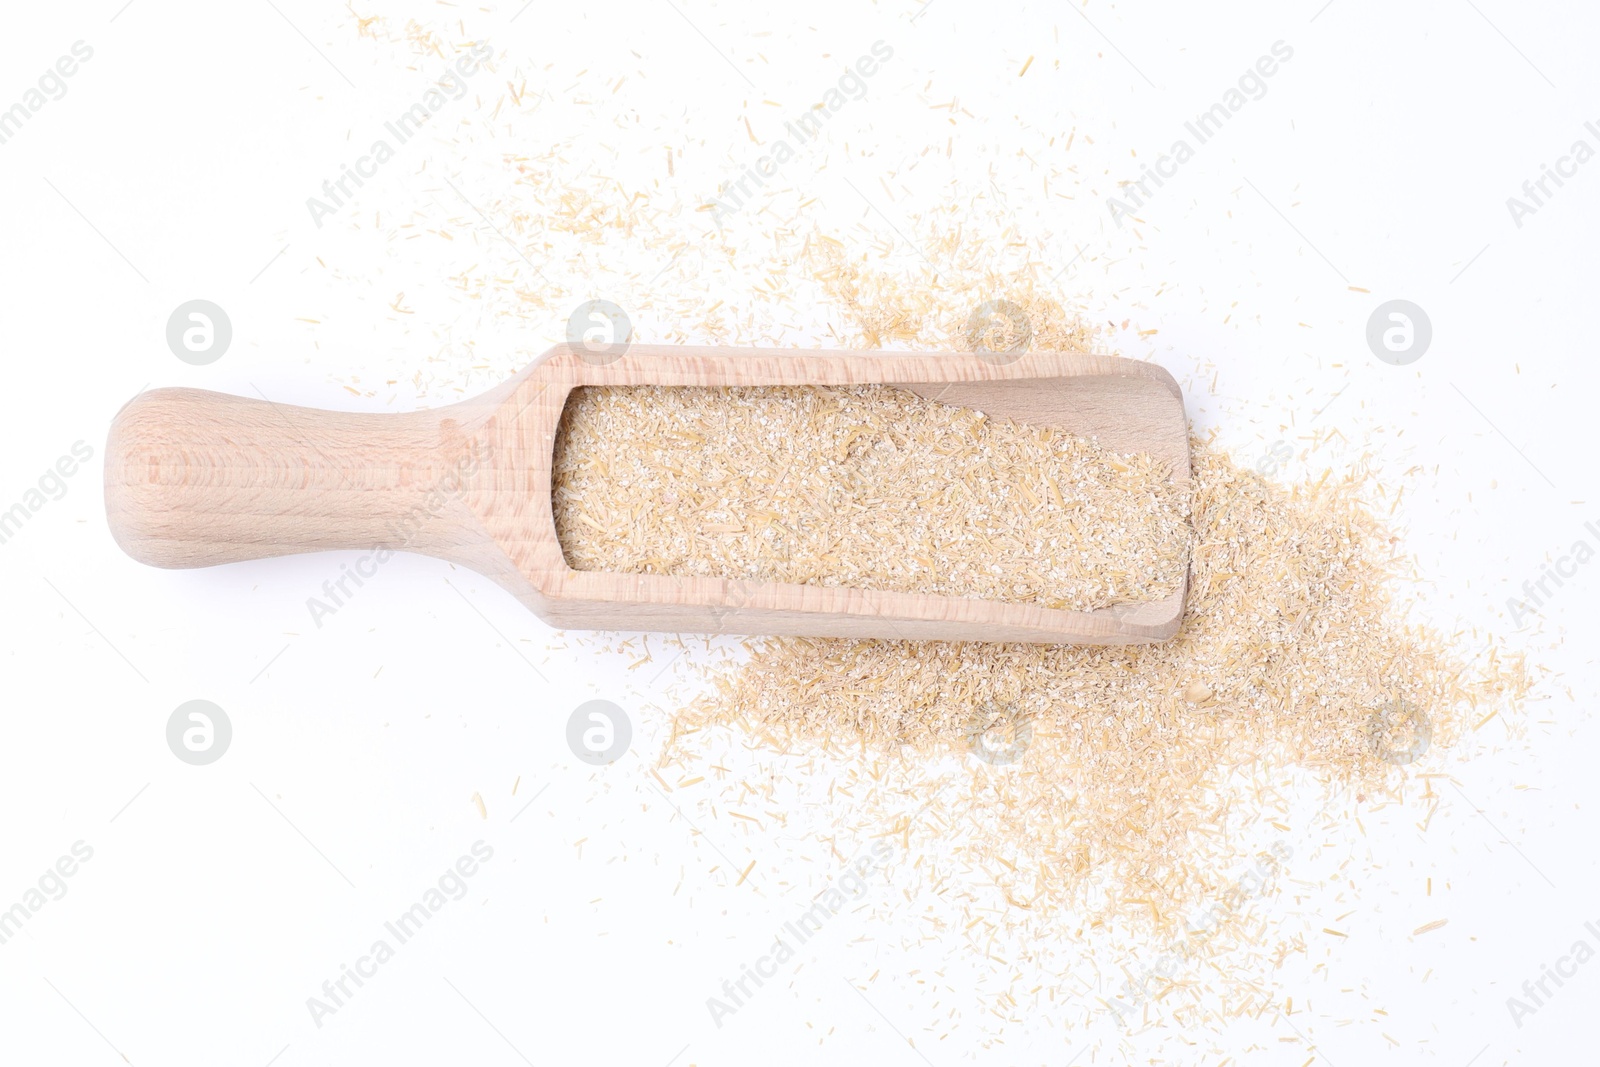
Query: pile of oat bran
{"points": [[866, 487]]}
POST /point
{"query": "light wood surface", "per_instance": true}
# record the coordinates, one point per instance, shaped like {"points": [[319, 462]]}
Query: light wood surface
{"points": [[195, 478]]}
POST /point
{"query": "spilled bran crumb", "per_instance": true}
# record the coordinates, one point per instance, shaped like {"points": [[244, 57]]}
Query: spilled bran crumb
{"points": [[1115, 862]]}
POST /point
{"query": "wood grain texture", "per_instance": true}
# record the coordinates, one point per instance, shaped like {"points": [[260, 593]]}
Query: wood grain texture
{"points": [[195, 478]]}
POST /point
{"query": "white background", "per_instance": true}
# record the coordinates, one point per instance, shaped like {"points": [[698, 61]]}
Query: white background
{"points": [[219, 898]]}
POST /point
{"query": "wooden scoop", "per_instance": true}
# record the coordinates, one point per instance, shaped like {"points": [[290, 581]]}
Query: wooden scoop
{"points": [[195, 478]]}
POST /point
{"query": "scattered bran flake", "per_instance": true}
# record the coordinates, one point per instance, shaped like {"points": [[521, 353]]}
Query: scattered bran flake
{"points": [[1116, 875]]}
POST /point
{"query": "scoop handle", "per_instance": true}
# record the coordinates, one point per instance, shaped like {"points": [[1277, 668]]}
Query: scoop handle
{"points": [[195, 478]]}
